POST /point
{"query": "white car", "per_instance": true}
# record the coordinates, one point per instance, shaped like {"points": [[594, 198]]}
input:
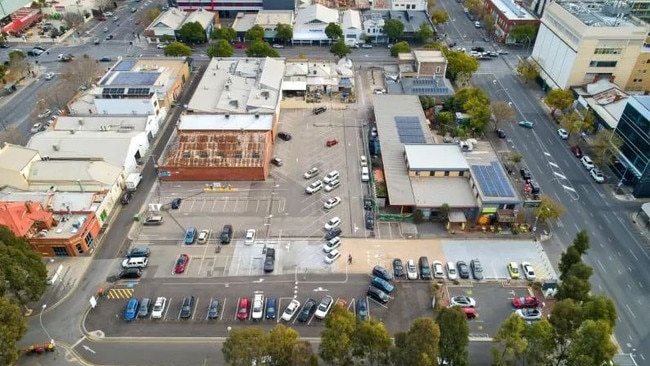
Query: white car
{"points": [[452, 273], [331, 203], [49, 76], [587, 162], [311, 173], [161, 46], [108, 14], [332, 256], [331, 176], [528, 271], [258, 307], [564, 134], [314, 187], [45, 113], [204, 235], [250, 237], [363, 161], [291, 310], [438, 271], [333, 185], [277, 45], [529, 314], [332, 244], [158, 308], [324, 307], [332, 223], [597, 175], [411, 270], [462, 301], [36, 127]]}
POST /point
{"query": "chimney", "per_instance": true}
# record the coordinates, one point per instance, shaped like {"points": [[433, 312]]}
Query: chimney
{"points": [[28, 206]]}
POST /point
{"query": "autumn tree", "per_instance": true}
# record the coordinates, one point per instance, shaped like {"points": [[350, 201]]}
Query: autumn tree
{"points": [[302, 354], [82, 71], [439, 16], [225, 33], [559, 99], [337, 337], [372, 342], [281, 341], [13, 327], [419, 345], [222, 48], [103, 5], [72, 19], [574, 123], [474, 6], [255, 33], [261, 48], [528, 69], [548, 209], [244, 346], [489, 23], [283, 32], [152, 14], [176, 49], [393, 28], [502, 111], [333, 31], [424, 33], [454, 336], [65, 90], [400, 47], [21, 268], [605, 146]]}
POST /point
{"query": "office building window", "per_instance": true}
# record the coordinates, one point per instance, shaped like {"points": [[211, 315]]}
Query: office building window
{"points": [[60, 251]]}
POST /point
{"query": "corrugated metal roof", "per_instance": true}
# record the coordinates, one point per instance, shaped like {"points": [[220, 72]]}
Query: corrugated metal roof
{"points": [[435, 157]]}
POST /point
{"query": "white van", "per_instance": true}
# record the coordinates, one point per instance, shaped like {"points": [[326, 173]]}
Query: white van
{"points": [[135, 262], [365, 174]]}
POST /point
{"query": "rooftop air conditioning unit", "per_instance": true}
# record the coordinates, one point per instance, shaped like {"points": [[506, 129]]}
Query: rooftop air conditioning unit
{"points": [[56, 147]]}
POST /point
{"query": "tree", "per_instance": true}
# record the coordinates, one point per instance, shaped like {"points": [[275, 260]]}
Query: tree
{"points": [[177, 49], [12, 135], [509, 340], [467, 95], [152, 15], [548, 209], [474, 6], [256, 33], [419, 345], [528, 69], [281, 341], [427, 102], [459, 62], [103, 5], [454, 333], [523, 33], [540, 343], [489, 23], [581, 242], [568, 259], [191, 33], [424, 33], [72, 19], [559, 99], [605, 146], [439, 16], [592, 344], [261, 48], [430, 5], [371, 341], [573, 287], [13, 327], [336, 339], [600, 307], [393, 28], [303, 354], [444, 213], [573, 123], [340, 49], [65, 90], [222, 48], [502, 111], [245, 346], [22, 272], [400, 47], [566, 318], [333, 31], [479, 114], [226, 33], [283, 32], [82, 71]]}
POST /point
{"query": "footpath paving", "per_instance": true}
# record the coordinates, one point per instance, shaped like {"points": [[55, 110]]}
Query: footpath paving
{"points": [[369, 253]]}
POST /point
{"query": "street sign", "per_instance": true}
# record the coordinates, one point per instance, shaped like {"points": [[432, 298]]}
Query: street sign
{"points": [[164, 174], [93, 301]]}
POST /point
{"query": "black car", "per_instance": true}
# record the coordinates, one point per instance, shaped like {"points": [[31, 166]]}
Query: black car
{"points": [[370, 221], [109, 37], [463, 270], [478, 49], [377, 295], [367, 203], [477, 269], [398, 268], [525, 174], [284, 136], [130, 273], [269, 261], [501, 133], [319, 110], [226, 234], [176, 203], [270, 308], [145, 307], [126, 197], [382, 273], [105, 59], [187, 307], [4, 45], [332, 233], [138, 252], [307, 310], [362, 310], [213, 311]]}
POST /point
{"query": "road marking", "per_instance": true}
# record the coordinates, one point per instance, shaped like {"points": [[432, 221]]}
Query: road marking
{"points": [[561, 176], [79, 341], [630, 310], [601, 265], [640, 285], [88, 349], [555, 166], [547, 154]]}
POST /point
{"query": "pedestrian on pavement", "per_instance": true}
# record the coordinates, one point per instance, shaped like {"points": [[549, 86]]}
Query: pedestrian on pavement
{"points": [[349, 258]]}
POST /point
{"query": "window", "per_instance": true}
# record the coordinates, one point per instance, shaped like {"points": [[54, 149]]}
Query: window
{"points": [[89, 240], [446, 173], [80, 249], [602, 64], [438, 70], [608, 51], [60, 251]]}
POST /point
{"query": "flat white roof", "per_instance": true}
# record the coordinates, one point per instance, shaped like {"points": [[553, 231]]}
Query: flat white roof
{"points": [[98, 123], [73, 171], [435, 157], [219, 122], [436, 191], [512, 11]]}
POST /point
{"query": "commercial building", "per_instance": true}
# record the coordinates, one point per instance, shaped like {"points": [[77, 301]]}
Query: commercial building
{"points": [[351, 26], [311, 21], [166, 26], [509, 14], [634, 130], [639, 80], [303, 78], [605, 99], [577, 45], [230, 125], [373, 23], [230, 8], [267, 19], [420, 72]]}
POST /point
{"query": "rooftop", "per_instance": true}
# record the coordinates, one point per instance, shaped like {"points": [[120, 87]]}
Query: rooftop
{"points": [[19, 217], [202, 16], [244, 21], [82, 171], [435, 157], [606, 99], [172, 18], [512, 10], [429, 56], [491, 179], [271, 18], [101, 123], [15, 157], [434, 192], [68, 225], [412, 19], [239, 85], [316, 14], [601, 14], [219, 122], [351, 19], [419, 86], [644, 101]]}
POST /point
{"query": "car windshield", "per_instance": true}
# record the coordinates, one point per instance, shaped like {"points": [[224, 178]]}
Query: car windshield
{"points": [[452, 270], [242, 309]]}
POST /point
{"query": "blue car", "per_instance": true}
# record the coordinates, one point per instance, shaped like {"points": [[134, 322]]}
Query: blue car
{"points": [[270, 308], [382, 284], [131, 309], [190, 236]]}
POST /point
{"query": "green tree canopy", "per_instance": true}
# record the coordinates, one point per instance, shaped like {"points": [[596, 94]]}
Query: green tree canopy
{"points": [[12, 328], [256, 33], [283, 32], [371, 341], [222, 48], [528, 69], [523, 33], [333, 31], [439, 16], [459, 62], [303, 354], [400, 47], [23, 275], [559, 99], [260, 48], [548, 209], [191, 33], [225, 33], [502, 111], [245, 346], [454, 336], [178, 49], [540, 343], [605, 146], [340, 49], [281, 341], [393, 28], [337, 337], [592, 344], [600, 307], [509, 340], [424, 33], [419, 345]]}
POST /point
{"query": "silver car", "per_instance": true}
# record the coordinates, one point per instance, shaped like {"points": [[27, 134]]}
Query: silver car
{"points": [[411, 270]]}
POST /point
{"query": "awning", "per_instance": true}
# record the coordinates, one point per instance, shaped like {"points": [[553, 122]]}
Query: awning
{"points": [[457, 216], [294, 85], [489, 210]]}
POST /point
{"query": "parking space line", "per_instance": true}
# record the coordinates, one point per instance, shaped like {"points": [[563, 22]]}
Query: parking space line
{"points": [[207, 313], [202, 205], [196, 307], [237, 308], [169, 305], [225, 205], [223, 308]]}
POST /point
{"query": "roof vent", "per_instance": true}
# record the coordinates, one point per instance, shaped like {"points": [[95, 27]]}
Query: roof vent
{"points": [[227, 115], [81, 121], [257, 115], [72, 132], [56, 147]]}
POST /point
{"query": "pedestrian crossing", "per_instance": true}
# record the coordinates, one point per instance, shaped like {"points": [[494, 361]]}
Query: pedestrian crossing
{"points": [[119, 293]]}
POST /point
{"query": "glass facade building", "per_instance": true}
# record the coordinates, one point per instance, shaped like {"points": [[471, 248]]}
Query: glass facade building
{"points": [[634, 130]]}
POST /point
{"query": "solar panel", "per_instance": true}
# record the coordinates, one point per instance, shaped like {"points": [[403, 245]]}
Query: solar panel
{"points": [[437, 90], [138, 91], [113, 91], [409, 130], [492, 180]]}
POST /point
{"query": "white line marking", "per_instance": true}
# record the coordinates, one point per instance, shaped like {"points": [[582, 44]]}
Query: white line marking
{"points": [[630, 310], [568, 188]]}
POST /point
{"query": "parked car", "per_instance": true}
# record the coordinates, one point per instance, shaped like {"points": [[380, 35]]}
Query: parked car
{"points": [[324, 307], [377, 295], [161, 46], [145, 308], [190, 236], [438, 271], [369, 221], [463, 270], [525, 174], [470, 313], [284, 136], [226, 234], [526, 124], [331, 142], [44, 114], [331, 203], [577, 151], [277, 161], [258, 307], [181, 263], [109, 37], [513, 270], [452, 273], [501, 133], [311, 173], [331, 176], [564, 134], [314, 187], [243, 307], [587, 162], [277, 45], [291, 309], [528, 270], [333, 223], [332, 233], [37, 127], [382, 272], [597, 175], [158, 308], [529, 314], [332, 185], [250, 237], [411, 270], [332, 244], [187, 307], [49, 76], [131, 309], [367, 203], [105, 59], [362, 310], [319, 110], [176, 203], [462, 301], [203, 237], [138, 252], [130, 273], [398, 268], [126, 197], [525, 302], [477, 269], [332, 256], [382, 284], [366, 45], [307, 310], [270, 308], [213, 309]]}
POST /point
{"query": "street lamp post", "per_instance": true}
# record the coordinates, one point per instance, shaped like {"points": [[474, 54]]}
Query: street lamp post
{"points": [[40, 320]]}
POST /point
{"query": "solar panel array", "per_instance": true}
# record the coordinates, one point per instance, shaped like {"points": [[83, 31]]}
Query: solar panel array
{"points": [[435, 90], [135, 78], [138, 91], [125, 65], [113, 91], [425, 82], [492, 180], [409, 130]]}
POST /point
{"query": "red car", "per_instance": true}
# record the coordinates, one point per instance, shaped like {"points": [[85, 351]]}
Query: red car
{"points": [[577, 151], [101, 18], [525, 302], [243, 308], [331, 142], [470, 313], [181, 263]]}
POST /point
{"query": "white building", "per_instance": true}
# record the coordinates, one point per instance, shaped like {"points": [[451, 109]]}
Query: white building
{"points": [[267, 19], [147, 124], [311, 22], [351, 26], [408, 4]]}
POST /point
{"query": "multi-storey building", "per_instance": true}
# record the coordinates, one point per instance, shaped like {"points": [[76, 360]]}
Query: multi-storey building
{"points": [[634, 131]]}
